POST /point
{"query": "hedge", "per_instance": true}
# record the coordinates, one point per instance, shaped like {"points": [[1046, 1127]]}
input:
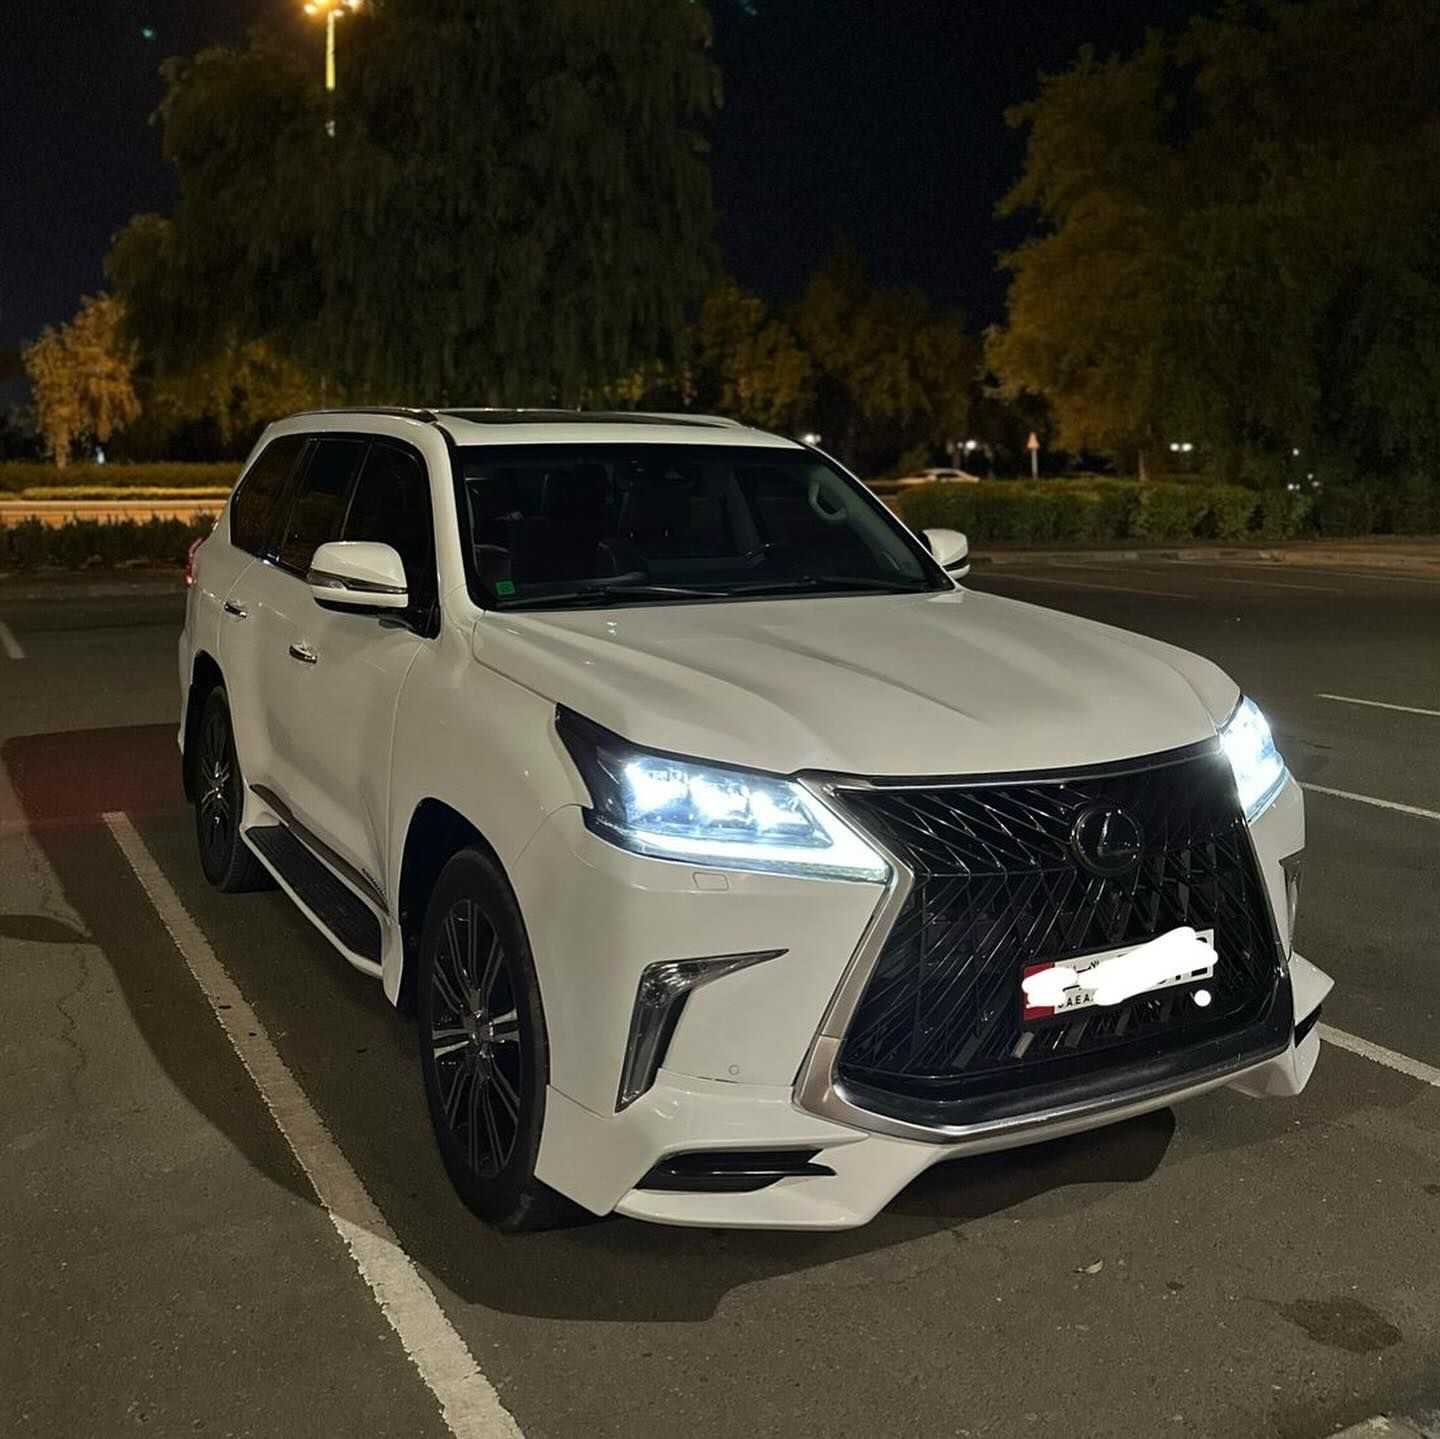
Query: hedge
{"points": [[1021, 512], [98, 544], [20, 475]]}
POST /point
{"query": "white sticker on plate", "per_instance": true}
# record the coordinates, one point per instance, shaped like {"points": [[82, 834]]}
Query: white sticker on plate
{"points": [[1178, 957]]}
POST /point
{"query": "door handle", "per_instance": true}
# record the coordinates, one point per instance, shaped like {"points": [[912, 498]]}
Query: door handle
{"points": [[304, 654], [239, 611]]}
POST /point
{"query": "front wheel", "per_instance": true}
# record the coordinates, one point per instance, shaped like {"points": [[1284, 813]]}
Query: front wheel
{"points": [[483, 1051]]}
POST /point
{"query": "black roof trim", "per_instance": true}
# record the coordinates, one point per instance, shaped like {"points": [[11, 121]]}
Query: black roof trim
{"points": [[399, 412], [579, 417]]}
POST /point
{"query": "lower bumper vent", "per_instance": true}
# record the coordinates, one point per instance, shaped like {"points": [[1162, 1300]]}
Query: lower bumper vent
{"points": [[732, 1171]]}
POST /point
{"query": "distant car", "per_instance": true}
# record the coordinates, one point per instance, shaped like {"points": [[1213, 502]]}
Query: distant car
{"points": [[737, 864], [939, 473]]}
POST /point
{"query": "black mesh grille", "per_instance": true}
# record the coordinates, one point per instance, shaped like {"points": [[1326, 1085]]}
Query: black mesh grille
{"points": [[998, 888]]}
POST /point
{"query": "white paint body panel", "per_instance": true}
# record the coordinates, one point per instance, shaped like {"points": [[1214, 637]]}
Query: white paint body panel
{"points": [[939, 684]]}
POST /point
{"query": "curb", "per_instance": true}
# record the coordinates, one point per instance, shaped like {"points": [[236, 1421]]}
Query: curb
{"points": [[69, 585], [1420, 557]]}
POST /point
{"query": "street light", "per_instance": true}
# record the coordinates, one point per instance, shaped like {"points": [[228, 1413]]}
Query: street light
{"points": [[331, 10]]}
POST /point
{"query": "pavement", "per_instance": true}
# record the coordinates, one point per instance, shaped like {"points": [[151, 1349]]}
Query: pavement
{"points": [[175, 1260]]}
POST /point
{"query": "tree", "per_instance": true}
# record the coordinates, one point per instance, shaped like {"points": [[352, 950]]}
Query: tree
{"points": [[892, 374], [1235, 240], [514, 206], [81, 378], [747, 363]]}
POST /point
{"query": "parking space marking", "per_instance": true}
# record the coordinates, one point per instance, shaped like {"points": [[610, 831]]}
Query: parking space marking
{"points": [[1274, 585], [468, 1402], [1425, 1073], [1090, 585], [1379, 704], [9, 643], [1368, 574], [1370, 799]]}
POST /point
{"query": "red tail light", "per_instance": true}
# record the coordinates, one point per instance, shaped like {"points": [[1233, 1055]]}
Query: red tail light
{"points": [[190, 561]]}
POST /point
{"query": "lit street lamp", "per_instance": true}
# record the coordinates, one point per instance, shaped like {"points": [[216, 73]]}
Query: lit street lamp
{"points": [[331, 10]]}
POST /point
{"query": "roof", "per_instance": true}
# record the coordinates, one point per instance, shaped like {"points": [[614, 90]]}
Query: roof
{"points": [[524, 427]]}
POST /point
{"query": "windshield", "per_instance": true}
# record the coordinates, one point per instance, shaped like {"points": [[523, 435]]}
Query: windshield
{"points": [[559, 526]]}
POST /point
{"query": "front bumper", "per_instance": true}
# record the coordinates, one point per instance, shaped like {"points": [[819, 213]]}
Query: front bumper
{"points": [[750, 1064], [598, 1159]]}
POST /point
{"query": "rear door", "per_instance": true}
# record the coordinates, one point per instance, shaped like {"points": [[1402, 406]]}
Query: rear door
{"points": [[257, 513], [341, 714]]}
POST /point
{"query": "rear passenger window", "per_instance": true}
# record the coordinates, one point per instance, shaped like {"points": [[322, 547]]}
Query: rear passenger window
{"points": [[252, 511], [320, 500], [391, 504]]}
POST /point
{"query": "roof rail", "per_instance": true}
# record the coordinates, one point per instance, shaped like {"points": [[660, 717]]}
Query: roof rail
{"points": [[503, 416], [399, 412], [722, 421]]}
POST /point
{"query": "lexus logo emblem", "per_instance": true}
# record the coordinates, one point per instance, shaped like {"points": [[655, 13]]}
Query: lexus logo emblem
{"points": [[1107, 840]]}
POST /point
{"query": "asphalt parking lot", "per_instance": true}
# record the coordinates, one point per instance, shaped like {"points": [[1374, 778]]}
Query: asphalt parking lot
{"points": [[1232, 1268]]}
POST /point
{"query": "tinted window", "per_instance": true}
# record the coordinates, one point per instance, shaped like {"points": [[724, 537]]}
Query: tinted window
{"points": [[392, 504], [320, 500], [553, 524], [252, 511]]}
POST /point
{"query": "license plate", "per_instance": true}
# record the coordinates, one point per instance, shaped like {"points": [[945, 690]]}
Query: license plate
{"points": [[1112, 976]]}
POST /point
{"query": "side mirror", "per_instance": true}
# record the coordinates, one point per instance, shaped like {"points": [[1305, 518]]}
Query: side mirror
{"points": [[951, 550], [358, 575]]}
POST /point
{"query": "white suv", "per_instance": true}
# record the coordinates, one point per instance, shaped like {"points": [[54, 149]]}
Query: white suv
{"points": [[737, 864]]}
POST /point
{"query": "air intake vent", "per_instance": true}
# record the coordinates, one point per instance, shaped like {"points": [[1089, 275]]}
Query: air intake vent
{"points": [[732, 1171]]}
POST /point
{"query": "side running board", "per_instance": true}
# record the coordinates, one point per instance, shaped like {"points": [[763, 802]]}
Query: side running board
{"points": [[336, 906]]}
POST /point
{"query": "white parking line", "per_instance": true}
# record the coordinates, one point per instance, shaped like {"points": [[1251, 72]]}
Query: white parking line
{"points": [[9, 643], [1426, 1073], [1379, 704], [1370, 799], [1087, 585], [1274, 585], [468, 1402]]}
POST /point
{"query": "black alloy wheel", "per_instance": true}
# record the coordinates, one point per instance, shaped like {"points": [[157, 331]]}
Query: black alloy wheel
{"points": [[484, 1056], [219, 803]]}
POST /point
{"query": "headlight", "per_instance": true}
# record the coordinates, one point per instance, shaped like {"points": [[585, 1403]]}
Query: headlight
{"points": [[702, 813], [1260, 773]]}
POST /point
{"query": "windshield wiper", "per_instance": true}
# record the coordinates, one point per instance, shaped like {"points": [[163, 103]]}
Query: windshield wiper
{"points": [[833, 582], [619, 590]]}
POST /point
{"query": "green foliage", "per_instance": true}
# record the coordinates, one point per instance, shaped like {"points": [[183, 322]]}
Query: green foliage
{"points": [[514, 206], [81, 378], [1235, 245], [98, 544], [18, 476], [892, 372], [1014, 512]]}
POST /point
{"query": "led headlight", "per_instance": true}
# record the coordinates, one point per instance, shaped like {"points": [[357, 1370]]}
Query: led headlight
{"points": [[1260, 773], [702, 813]]}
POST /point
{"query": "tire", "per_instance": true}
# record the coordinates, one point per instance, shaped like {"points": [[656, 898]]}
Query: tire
{"points": [[227, 861], [483, 1050]]}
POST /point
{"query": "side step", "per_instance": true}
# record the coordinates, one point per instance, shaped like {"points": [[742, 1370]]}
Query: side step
{"points": [[343, 913]]}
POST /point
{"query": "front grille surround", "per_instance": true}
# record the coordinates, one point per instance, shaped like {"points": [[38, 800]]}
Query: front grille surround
{"points": [[921, 1035]]}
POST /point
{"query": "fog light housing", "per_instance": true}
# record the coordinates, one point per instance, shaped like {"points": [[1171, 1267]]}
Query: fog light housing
{"points": [[659, 1001]]}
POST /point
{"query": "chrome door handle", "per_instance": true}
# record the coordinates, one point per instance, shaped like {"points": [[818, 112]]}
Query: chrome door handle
{"points": [[304, 654], [239, 611]]}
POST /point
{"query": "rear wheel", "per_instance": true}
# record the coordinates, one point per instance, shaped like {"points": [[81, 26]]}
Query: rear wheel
{"points": [[483, 1050], [219, 803]]}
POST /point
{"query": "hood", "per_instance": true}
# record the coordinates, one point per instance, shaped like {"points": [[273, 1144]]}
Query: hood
{"points": [[880, 685]]}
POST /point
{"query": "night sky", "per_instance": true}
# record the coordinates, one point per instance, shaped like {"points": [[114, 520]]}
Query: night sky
{"points": [[876, 121]]}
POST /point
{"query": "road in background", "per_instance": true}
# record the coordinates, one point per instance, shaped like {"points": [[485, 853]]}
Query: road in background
{"points": [[1232, 1268]]}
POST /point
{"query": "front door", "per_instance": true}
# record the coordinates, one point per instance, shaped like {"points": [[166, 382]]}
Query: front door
{"points": [[340, 713]]}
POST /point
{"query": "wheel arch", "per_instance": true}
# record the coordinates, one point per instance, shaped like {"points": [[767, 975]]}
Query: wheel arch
{"points": [[436, 833], [205, 675]]}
